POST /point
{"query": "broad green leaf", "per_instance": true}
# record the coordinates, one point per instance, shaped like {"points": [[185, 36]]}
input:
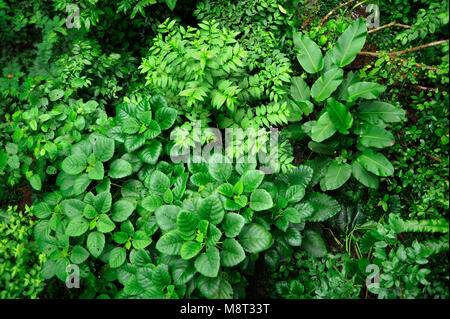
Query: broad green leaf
{"points": [[117, 257], [323, 129], [211, 209], [187, 224], [77, 227], [340, 115], [364, 177], [209, 287], [161, 276], [326, 84], [225, 189], [349, 43], [232, 253], [35, 182], [364, 90], [97, 172], [324, 207], [152, 202], [252, 179], [133, 142], [171, 4], [190, 249], [166, 217], [232, 224], [158, 182], [208, 263], [337, 174], [260, 200], [80, 184], [72, 207], [141, 240], [120, 168], [299, 89], [105, 224], [293, 237], [151, 152], [375, 136], [375, 163], [310, 56], [131, 126], [125, 111], [74, 164], [255, 238], [170, 243], [183, 272], [313, 244], [121, 210], [219, 167], [78, 255], [295, 193], [376, 111], [42, 210], [165, 117], [102, 202], [103, 148]]}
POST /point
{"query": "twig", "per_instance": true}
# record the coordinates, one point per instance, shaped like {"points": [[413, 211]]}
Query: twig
{"points": [[392, 24], [377, 54], [420, 47], [332, 11]]}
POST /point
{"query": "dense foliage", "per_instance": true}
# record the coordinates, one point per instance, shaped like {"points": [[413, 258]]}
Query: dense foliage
{"points": [[114, 182]]}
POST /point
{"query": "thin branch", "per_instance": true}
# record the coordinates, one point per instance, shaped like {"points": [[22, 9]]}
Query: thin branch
{"points": [[420, 47], [378, 54], [392, 24], [332, 11]]}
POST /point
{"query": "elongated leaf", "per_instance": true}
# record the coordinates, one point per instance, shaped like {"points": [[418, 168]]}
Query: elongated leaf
{"points": [[364, 90], [375, 163], [376, 111], [327, 84], [299, 89], [349, 43], [339, 115], [337, 174], [375, 136], [364, 177], [323, 129], [310, 56]]}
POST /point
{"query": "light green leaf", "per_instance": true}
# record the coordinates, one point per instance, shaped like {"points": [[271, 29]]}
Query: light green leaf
{"points": [[375, 163], [151, 152], [323, 129], [364, 177], [35, 182], [232, 253], [77, 227], [78, 255], [74, 164], [103, 148], [211, 209], [232, 224], [208, 263], [121, 210], [105, 224], [349, 43], [326, 84], [340, 115], [252, 179], [117, 257], [255, 238], [299, 89], [219, 167], [260, 200], [166, 217], [375, 111], [170, 243], [375, 136], [310, 56], [336, 175], [120, 168], [364, 90], [190, 249]]}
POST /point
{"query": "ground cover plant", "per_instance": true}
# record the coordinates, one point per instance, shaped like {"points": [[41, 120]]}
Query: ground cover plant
{"points": [[185, 149]]}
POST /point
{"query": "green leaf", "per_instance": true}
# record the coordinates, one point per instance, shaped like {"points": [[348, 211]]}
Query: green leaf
{"points": [[165, 117], [349, 43], [121, 210], [190, 249], [375, 163], [310, 56], [208, 263], [120, 168], [78, 255], [324, 206], [133, 142], [225, 189], [56, 95], [171, 4], [151, 152], [340, 116], [232, 253], [161, 276], [220, 168], [252, 179], [313, 244], [35, 182], [103, 148], [211, 209], [232, 224], [141, 240], [323, 129], [158, 182], [295, 193], [97, 172], [117, 257], [375, 136], [209, 287], [293, 237], [170, 243], [72, 207], [364, 177], [326, 84], [80, 184], [42, 210], [260, 200], [375, 111], [131, 126], [152, 202], [364, 90], [105, 224], [337, 174], [77, 227], [166, 217], [255, 238], [299, 89], [102, 202], [74, 164], [187, 224]]}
